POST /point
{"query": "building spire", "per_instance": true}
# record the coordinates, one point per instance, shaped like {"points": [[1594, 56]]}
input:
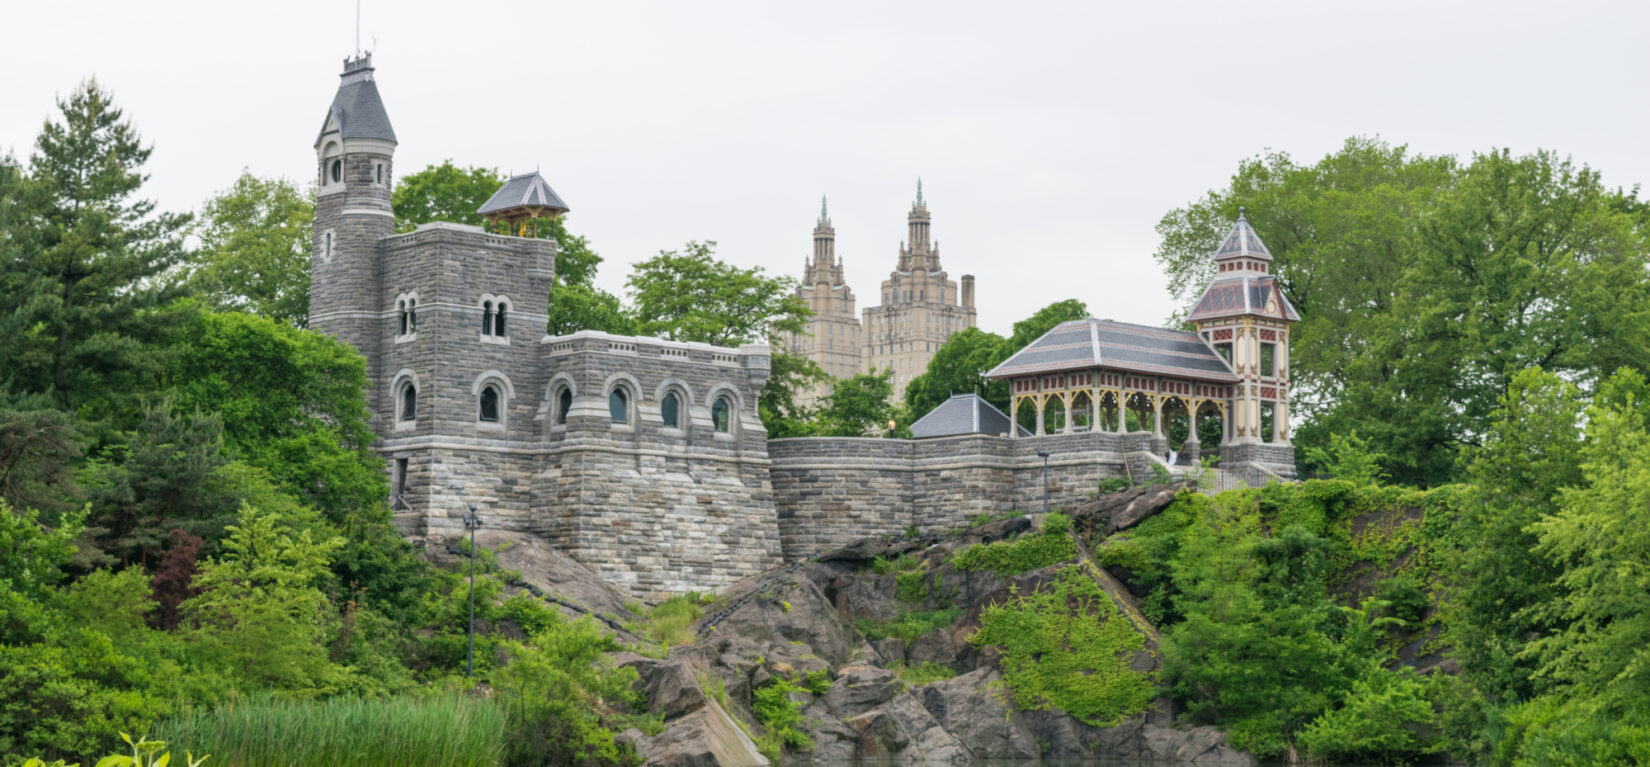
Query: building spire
{"points": [[824, 216], [919, 191]]}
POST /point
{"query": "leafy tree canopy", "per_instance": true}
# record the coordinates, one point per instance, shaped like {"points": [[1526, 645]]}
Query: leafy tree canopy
{"points": [[960, 365], [689, 295], [858, 406], [254, 249]]}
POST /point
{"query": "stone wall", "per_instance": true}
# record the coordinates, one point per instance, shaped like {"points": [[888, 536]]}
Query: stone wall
{"points": [[831, 490]]}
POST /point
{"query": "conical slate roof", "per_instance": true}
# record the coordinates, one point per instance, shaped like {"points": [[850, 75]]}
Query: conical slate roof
{"points": [[528, 190], [1243, 243], [963, 414], [357, 111]]}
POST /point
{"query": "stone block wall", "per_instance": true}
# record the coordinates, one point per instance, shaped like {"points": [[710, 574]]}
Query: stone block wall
{"points": [[830, 491]]}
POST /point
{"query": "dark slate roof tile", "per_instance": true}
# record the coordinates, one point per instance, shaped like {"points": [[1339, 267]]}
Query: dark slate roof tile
{"points": [[963, 414], [1092, 343], [528, 190]]}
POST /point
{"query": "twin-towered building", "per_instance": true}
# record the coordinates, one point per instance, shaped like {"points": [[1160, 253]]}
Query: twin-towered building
{"points": [[922, 307]]}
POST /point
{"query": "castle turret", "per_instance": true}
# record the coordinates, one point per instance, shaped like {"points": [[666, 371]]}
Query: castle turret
{"points": [[354, 154]]}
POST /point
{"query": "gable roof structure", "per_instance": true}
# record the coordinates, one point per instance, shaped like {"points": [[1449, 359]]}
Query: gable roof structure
{"points": [[963, 414], [357, 111], [1091, 343], [528, 190]]}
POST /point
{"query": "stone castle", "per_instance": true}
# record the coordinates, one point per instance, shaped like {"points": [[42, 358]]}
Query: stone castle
{"points": [[645, 459], [921, 307]]}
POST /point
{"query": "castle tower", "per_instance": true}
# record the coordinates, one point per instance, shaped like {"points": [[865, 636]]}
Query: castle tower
{"points": [[1245, 318], [832, 337], [354, 155], [921, 306]]}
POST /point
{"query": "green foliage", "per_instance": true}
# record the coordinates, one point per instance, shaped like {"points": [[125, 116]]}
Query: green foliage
{"points": [[911, 586], [38, 447], [908, 625], [780, 716], [1552, 730], [255, 241], [443, 192], [788, 374], [263, 730], [81, 291], [689, 295], [903, 563], [1068, 647], [557, 685], [670, 623], [1349, 458], [1113, 485], [858, 406], [32, 556], [960, 365], [817, 682], [922, 673], [1052, 545], [1385, 716]]}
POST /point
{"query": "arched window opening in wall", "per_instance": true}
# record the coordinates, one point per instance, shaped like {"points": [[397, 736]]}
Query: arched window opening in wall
{"points": [[412, 315], [721, 414], [564, 403], [401, 306], [336, 171], [618, 406], [487, 318], [409, 402], [489, 404], [498, 319], [670, 410], [380, 173]]}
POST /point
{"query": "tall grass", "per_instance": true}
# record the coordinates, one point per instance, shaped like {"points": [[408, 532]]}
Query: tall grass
{"points": [[343, 732]]}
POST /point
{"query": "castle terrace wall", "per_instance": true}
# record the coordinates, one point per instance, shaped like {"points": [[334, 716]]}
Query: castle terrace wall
{"points": [[829, 491]]}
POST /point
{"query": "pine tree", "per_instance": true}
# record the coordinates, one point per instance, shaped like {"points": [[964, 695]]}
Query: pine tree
{"points": [[85, 260]]}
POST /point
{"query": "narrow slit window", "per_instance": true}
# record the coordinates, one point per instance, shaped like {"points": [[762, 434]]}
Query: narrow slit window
{"points": [[487, 318], [669, 410], [498, 320], [412, 315], [403, 307], [719, 413]]}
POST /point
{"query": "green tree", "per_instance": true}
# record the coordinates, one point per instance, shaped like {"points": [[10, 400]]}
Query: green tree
{"points": [[959, 367], [260, 613], [858, 406], [783, 415], [689, 295], [292, 403], [254, 249], [1531, 453], [443, 192], [88, 261], [1046, 319], [38, 447]]}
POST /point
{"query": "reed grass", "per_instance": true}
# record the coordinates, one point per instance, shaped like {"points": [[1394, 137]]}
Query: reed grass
{"points": [[343, 732]]}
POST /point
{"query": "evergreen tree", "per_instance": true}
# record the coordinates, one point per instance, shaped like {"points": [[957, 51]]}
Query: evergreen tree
{"points": [[254, 255], [88, 261]]}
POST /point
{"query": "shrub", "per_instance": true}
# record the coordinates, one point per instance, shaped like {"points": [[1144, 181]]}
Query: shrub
{"points": [[779, 714], [1380, 718], [1113, 485], [1029, 552], [1067, 647], [922, 673], [909, 626]]}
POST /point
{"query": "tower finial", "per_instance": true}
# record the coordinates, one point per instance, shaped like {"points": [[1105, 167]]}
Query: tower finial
{"points": [[1240, 212], [823, 215], [919, 191], [358, 28]]}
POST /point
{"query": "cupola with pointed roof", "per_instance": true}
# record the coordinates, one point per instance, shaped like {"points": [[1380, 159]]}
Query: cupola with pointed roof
{"points": [[522, 200], [1243, 284]]}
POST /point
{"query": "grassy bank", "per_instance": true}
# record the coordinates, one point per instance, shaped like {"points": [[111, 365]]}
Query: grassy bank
{"points": [[344, 732]]}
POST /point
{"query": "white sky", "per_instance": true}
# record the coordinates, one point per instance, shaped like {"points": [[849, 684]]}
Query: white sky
{"points": [[1050, 137]]}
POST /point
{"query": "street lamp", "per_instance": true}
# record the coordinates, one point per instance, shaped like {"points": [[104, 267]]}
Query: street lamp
{"points": [[1043, 454], [891, 424], [472, 522]]}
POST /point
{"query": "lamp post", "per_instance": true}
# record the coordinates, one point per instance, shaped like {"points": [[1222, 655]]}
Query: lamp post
{"points": [[1043, 454], [472, 522], [891, 424]]}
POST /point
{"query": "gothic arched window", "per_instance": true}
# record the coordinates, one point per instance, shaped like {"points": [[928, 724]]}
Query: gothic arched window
{"points": [[401, 306], [618, 406], [669, 410], [487, 318], [498, 320], [489, 404], [564, 403], [720, 414], [409, 402], [412, 315]]}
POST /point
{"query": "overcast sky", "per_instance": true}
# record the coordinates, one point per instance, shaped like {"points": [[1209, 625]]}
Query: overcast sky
{"points": [[1050, 137]]}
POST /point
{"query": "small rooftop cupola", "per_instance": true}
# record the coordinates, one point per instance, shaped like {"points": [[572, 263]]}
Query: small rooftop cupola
{"points": [[357, 111], [520, 203], [1243, 251]]}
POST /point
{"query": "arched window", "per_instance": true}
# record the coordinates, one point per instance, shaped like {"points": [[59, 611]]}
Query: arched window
{"points": [[618, 406], [564, 403], [669, 410], [401, 306], [337, 171], [409, 402], [487, 318], [489, 404], [380, 171], [412, 315], [326, 250], [498, 320], [720, 414]]}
